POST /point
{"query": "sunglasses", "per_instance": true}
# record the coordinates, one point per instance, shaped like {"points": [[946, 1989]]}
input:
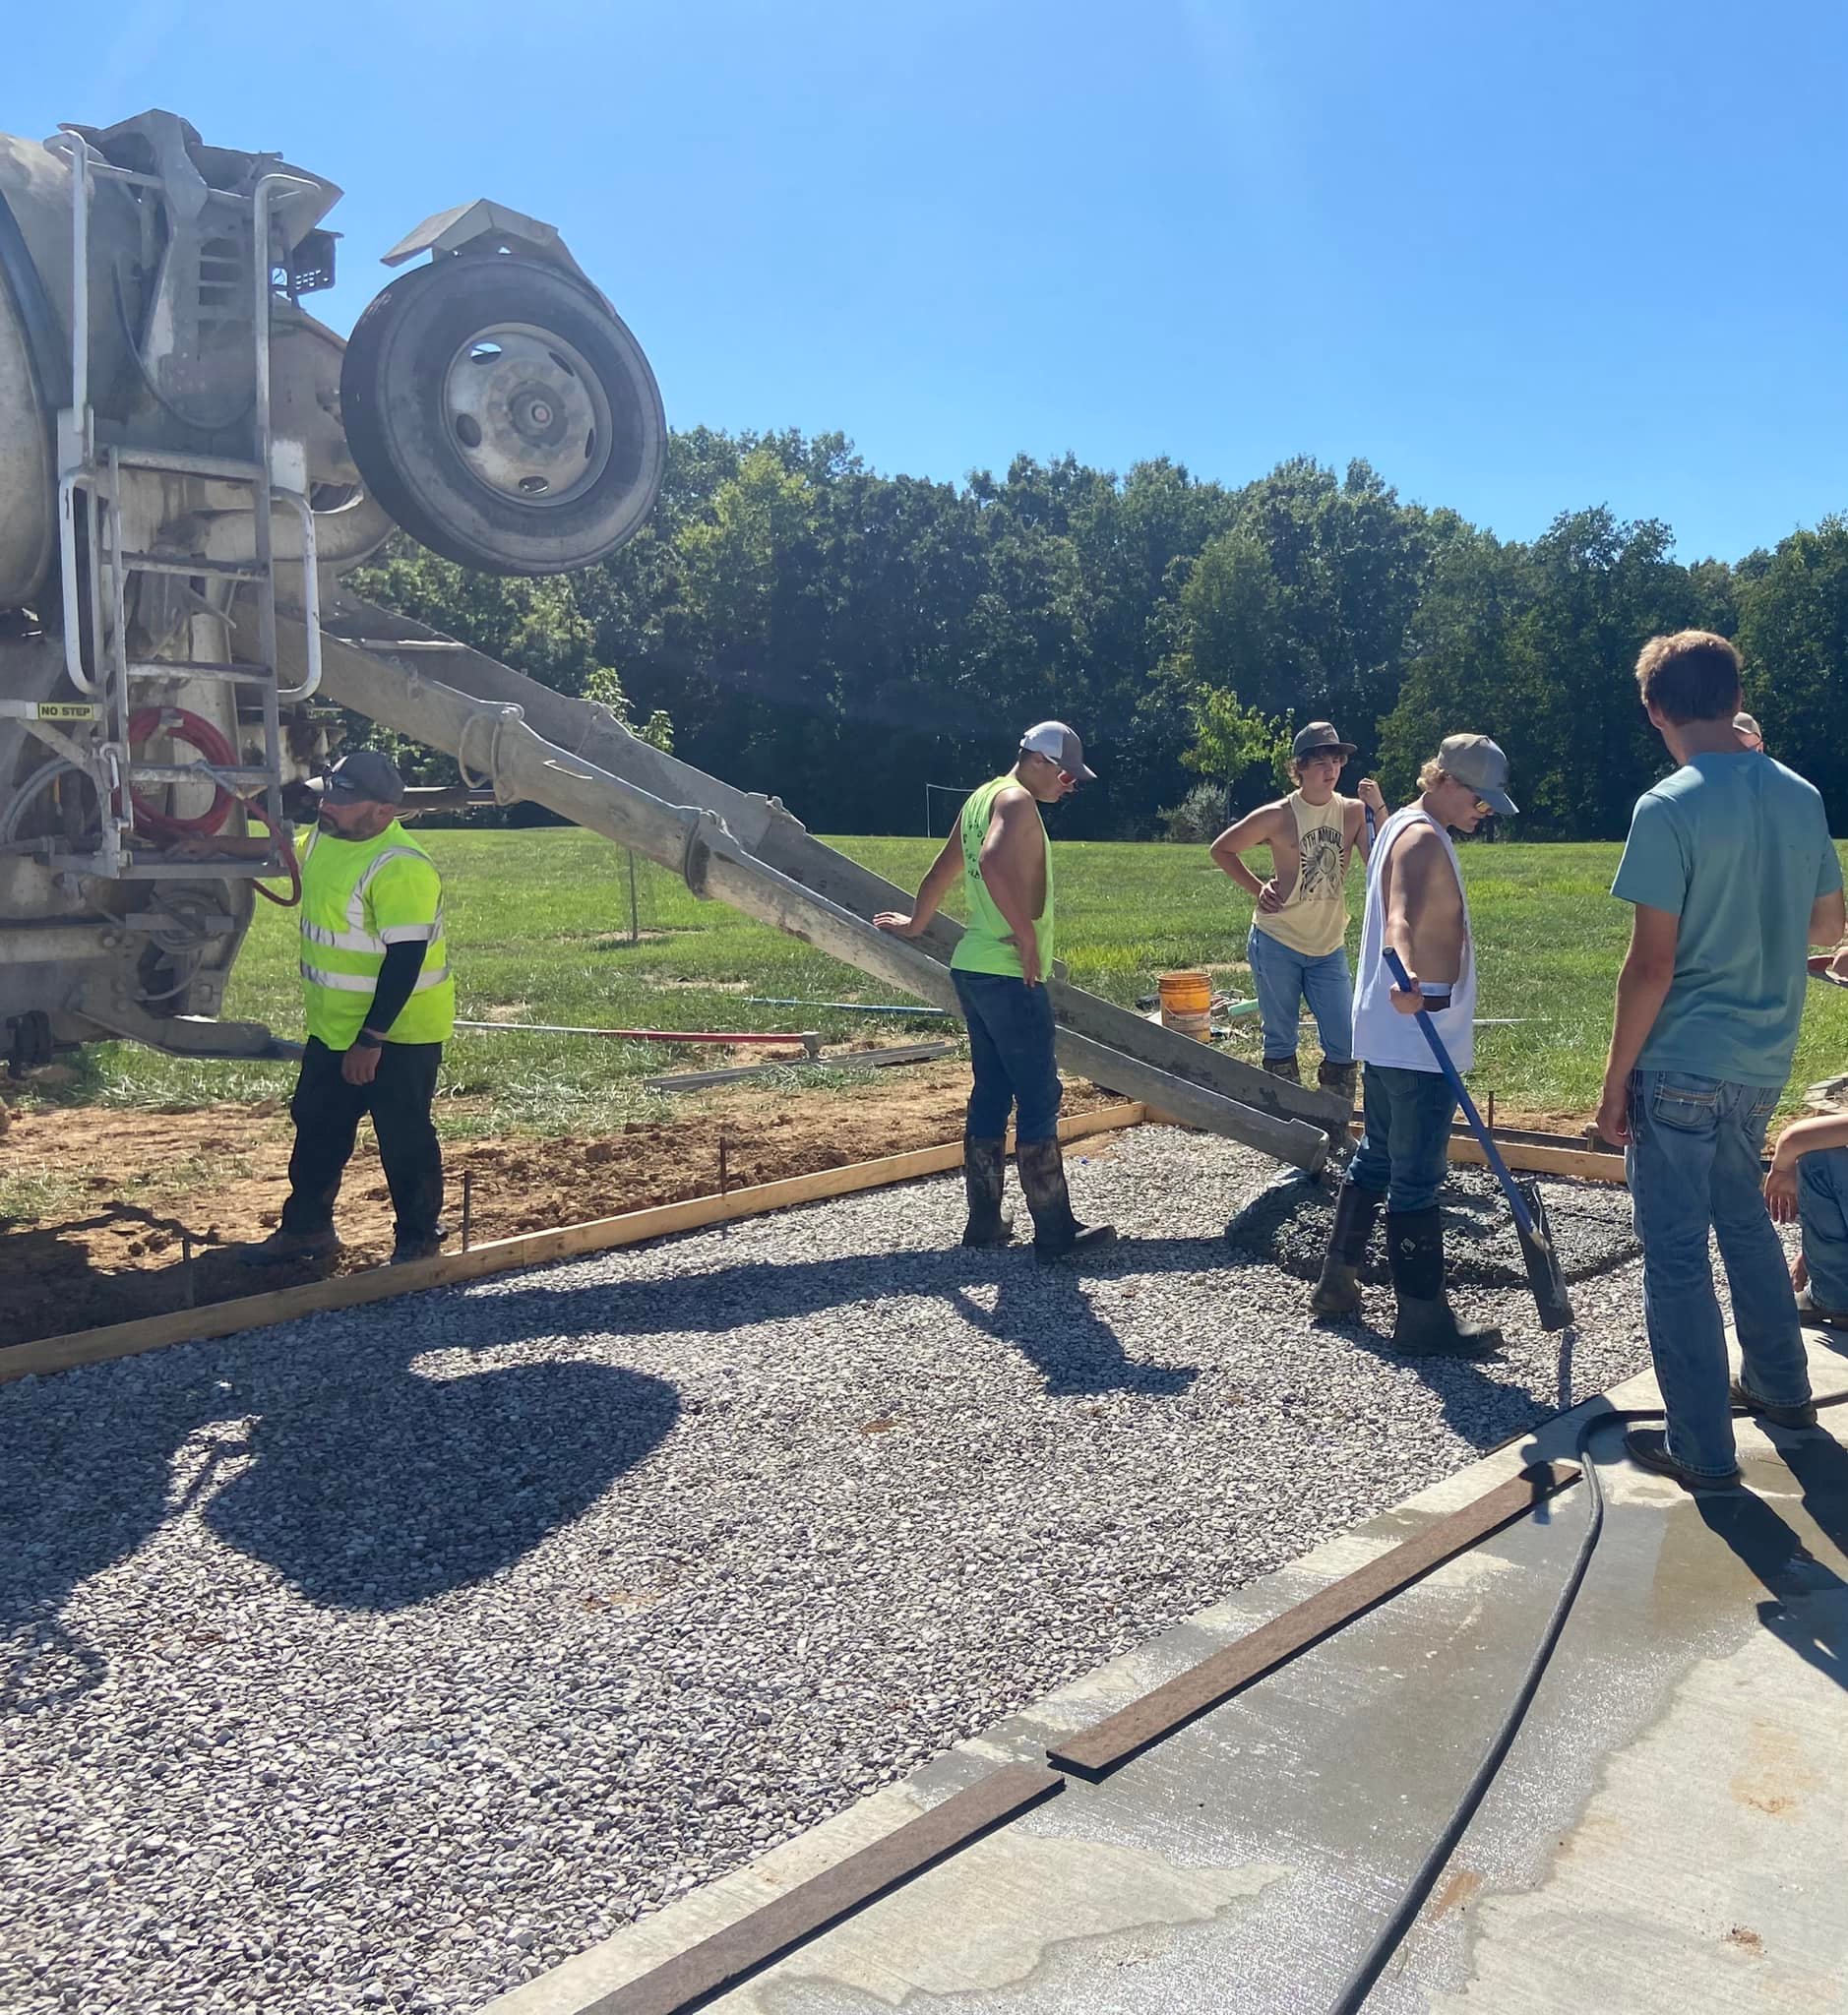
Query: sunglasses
{"points": [[1484, 809]]}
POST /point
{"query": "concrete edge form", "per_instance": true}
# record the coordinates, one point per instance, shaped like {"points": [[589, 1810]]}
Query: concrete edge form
{"points": [[727, 1957], [1098, 1750]]}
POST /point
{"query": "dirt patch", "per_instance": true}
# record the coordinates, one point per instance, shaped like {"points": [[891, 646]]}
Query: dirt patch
{"points": [[107, 1200]]}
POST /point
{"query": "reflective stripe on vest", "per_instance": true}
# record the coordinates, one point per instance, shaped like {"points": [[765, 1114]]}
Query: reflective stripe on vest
{"points": [[348, 928], [366, 983]]}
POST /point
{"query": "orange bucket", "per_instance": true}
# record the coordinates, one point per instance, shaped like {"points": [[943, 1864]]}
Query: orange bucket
{"points": [[1187, 1004]]}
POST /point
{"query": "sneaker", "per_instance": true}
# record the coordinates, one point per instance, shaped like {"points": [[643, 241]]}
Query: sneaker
{"points": [[1648, 1447], [1802, 1415], [1809, 1310], [286, 1249]]}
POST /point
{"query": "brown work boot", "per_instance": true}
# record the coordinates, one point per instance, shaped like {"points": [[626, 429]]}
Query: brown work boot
{"points": [[1426, 1326], [1344, 1079], [287, 1249], [1285, 1068], [1801, 1415]]}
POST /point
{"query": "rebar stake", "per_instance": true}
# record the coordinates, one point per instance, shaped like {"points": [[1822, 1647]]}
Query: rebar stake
{"points": [[468, 1206], [187, 1284]]}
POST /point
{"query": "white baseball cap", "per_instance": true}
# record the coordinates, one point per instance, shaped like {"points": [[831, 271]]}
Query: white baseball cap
{"points": [[1059, 745]]}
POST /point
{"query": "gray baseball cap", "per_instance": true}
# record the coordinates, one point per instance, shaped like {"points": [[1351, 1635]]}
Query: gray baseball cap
{"points": [[1479, 765], [1056, 742], [362, 774], [1317, 736]]}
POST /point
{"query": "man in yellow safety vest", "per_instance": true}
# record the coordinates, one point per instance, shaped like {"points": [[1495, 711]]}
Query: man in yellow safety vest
{"points": [[379, 1006]]}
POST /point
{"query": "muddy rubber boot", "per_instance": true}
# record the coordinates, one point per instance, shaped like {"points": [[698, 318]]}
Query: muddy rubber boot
{"points": [[984, 1173], [1056, 1232], [1284, 1067], [1344, 1079], [1338, 1291], [1427, 1326]]}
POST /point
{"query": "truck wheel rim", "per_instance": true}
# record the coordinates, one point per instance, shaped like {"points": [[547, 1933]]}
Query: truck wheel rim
{"points": [[527, 415]]}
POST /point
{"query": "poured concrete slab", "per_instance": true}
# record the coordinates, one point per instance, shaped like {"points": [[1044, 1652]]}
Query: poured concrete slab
{"points": [[1670, 1832]]}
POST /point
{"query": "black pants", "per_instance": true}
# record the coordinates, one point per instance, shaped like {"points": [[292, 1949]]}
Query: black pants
{"points": [[327, 1112]]}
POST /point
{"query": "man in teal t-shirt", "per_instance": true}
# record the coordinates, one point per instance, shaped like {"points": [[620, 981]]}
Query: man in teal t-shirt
{"points": [[1732, 875], [1000, 962]]}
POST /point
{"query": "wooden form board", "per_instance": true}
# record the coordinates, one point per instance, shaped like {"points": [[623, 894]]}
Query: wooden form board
{"points": [[1582, 1164], [501, 1256], [1096, 1751]]}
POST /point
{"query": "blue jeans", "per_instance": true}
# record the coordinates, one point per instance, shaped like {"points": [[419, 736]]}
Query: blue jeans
{"points": [[1692, 1164], [1823, 1204], [1011, 1029], [1285, 979], [1406, 1140]]}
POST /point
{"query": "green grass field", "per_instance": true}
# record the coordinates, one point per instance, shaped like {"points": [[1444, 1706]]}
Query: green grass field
{"points": [[538, 930]]}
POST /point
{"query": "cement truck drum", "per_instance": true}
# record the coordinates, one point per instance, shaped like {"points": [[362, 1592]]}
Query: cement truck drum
{"points": [[503, 414]]}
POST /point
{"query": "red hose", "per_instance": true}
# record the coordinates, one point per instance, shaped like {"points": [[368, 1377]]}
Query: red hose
{"points": [[181, 724]]}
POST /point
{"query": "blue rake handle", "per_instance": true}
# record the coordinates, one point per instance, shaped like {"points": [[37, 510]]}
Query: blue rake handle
{"points": [[1517, 1202]]}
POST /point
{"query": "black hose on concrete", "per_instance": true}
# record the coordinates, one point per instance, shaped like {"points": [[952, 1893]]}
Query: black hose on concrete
{"points": [[1361, 1981]]}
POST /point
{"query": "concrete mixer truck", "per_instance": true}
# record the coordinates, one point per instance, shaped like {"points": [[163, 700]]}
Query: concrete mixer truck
{"points": [[190, 462]]}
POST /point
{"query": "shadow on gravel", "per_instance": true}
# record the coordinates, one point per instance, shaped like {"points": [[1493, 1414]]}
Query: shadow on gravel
{"points": [[1041, 1311], [366, 1485], [428, 1485]]}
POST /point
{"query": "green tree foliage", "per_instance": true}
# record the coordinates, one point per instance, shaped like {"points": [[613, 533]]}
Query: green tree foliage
{"points": [[838, 637]]}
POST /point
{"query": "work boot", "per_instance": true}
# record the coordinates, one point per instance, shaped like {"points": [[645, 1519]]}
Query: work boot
{"points": [[1056, 1232], [1426, 1326], [1338, 1291], [1284, 1067], [1790, 1414], [1344, 1079], [984, 1176], [425, 1246], [286, 1248]]}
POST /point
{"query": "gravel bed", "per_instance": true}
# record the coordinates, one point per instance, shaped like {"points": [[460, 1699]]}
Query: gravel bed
{"points": [[381, 1659]]}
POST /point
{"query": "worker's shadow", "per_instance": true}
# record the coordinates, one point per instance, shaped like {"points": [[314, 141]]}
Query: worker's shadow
{"points": [[1809, 1605], [364, 1481], [1043, 1312]]}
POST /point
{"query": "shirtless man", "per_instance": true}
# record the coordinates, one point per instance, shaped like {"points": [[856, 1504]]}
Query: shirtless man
{"points": [[1299, 929], [1415, 903], [1001, 961]]}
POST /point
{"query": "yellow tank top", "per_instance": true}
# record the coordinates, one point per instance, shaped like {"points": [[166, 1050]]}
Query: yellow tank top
{"points": [[1313, 918]]}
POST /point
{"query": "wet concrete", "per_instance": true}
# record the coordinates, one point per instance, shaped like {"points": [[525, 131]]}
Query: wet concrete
{"points": [[1288, 1226], [1669, 1833]]}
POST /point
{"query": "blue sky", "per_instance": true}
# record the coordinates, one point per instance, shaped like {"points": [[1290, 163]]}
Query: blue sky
{"points": [[1521, 257]]}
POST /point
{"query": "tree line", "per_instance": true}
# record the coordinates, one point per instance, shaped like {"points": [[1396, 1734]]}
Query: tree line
{"points": [[798, 624]]}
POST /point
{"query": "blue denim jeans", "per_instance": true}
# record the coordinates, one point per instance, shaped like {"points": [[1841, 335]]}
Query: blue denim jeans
{"points": [[1285, 979], [1406, 1140], [1822, 1203], [1692, 1164], [1011, 1029]]}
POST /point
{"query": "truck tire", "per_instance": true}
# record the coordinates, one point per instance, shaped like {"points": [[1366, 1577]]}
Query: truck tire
{"points": [[504, 415]]}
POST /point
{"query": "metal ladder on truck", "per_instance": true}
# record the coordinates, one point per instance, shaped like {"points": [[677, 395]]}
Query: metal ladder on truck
{"points": [[97, 488]]}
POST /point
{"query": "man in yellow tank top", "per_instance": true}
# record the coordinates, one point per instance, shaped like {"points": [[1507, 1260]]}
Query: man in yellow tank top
{"points": [[1002, 958], [1299, 929]]}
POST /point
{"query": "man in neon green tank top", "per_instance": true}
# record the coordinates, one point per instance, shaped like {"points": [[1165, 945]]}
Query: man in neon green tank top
{"points": [[1000, 962]]}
